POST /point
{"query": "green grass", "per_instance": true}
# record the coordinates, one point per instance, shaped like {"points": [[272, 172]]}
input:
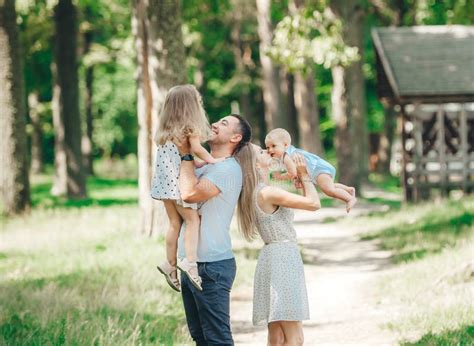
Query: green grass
{"points": [[81, 274], [102, 192], [425, 229]]}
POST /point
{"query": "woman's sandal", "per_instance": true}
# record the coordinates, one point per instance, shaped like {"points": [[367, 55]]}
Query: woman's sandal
{"points": [[185, 266], [166, 269]]}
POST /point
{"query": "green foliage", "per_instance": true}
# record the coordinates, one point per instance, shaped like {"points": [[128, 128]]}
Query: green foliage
{"points": [[311, 37]]}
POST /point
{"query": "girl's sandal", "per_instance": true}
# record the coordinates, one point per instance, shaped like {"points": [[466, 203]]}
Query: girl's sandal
{"points": [[185, 266], [166, 269]]}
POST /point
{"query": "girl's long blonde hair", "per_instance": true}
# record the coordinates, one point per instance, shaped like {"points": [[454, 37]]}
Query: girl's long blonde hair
{"points": [[182, 114], [245, 155]]}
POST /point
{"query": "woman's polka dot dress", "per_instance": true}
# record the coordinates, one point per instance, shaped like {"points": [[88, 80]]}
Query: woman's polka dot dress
{"points": [[165, 179], [279, 283]]}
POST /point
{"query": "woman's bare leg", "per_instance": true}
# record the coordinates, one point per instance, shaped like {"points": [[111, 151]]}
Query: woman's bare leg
{"points": [[336, 190], [275, 334], [293, 331]]}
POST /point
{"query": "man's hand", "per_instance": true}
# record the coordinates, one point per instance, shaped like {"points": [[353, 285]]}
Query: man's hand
{"points": [[184, 147]]}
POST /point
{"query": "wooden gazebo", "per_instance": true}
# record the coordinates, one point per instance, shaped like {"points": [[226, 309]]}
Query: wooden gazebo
{"points": [[428, 71]]}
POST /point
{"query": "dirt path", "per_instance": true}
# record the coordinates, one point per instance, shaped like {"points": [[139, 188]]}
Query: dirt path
{"points": [[340, 272]]}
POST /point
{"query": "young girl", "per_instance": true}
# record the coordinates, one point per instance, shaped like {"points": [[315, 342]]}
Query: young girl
{"points": [[278, 143], [182, 118]]}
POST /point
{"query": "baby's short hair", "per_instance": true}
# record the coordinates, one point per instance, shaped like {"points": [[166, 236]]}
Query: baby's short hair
{"points": [[279, 134]]}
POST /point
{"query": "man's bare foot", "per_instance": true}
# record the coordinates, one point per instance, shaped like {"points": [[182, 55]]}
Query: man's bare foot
{"points": [[350, 204]]}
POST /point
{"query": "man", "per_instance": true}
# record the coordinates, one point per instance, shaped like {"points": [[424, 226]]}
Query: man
{"points": [[217, 188]]}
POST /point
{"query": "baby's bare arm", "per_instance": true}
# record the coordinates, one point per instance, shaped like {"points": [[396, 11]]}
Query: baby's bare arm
{"points": [[290, 166]]}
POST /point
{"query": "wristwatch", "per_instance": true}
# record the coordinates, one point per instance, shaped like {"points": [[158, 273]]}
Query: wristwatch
{"points": [[187, 157]]}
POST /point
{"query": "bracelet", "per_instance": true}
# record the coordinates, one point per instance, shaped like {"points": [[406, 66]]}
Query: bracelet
{"points": [[187, 157]]}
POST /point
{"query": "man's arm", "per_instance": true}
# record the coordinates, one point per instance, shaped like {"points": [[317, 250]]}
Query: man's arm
{"points": [[192, 189]]}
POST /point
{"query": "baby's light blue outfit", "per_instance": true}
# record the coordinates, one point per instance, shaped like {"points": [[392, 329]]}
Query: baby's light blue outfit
{"points": [[315, 164]]}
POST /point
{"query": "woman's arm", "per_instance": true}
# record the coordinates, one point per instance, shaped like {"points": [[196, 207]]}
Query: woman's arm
{"points": [[200, 151], [279, 197]]}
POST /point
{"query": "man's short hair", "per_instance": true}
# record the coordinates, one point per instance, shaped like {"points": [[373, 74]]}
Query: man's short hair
{"points": [[244, 129]]}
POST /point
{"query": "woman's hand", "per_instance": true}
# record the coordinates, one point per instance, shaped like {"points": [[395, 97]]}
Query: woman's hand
{"points": [[183, 146], [301, 169]]}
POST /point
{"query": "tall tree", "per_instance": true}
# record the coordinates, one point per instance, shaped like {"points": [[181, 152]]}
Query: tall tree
{"points": [[272, 96], [349, 100], [66, 107], [87, 141], [306, 101], [160, 60], [14, 180], [36, 134]]}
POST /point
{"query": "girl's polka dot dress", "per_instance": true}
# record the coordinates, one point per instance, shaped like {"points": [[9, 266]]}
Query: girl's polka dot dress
{"points": [[165, 179]]}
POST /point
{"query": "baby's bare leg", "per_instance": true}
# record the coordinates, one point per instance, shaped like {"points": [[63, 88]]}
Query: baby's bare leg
{"points": [[173, 233], [327, 185], [335, 190], [349, 189]]}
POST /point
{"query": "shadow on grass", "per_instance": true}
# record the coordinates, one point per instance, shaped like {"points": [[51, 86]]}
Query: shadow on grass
{"points": [[74, 309], [428, 235], [462, 337], [114, 192]]}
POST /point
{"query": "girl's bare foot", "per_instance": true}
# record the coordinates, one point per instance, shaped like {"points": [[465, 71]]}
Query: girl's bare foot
{"points": [[350, 204]]}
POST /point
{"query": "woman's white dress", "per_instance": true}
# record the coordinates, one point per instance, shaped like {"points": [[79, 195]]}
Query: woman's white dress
{"points": [[279, 284]]}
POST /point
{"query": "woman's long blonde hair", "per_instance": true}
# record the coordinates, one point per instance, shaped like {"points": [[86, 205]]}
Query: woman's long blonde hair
{"points": [[245, 155], [182, 114]]}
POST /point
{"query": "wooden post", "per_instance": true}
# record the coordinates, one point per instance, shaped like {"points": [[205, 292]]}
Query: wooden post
{"points": [[406, 186], [464, 147], [418, 151], [442, 150]]}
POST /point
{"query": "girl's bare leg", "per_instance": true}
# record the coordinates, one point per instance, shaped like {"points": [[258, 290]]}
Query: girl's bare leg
{"points": [[293, 331], [173, 233], [191, 235], [335, 190], [275, 334]]}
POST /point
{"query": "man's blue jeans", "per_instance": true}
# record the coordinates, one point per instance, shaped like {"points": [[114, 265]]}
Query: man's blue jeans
{"points": [[207, 312]]}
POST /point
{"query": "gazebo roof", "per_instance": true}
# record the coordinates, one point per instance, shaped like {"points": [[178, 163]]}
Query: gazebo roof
{"points": [[425, 62]]}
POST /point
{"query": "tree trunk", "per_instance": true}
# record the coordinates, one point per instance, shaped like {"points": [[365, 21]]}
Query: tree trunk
{"points": [[87, 142], [308, 113], [59, 187], [352, 15], [68, 92], [274, 107], [292, 113], [306, 102], [241, 72], [343, 141], [36, 135], [160, 65], [15, 188]]}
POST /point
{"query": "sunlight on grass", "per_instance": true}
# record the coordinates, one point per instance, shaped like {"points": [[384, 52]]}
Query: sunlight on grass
{"points": [[433, 299], [84, 277]]}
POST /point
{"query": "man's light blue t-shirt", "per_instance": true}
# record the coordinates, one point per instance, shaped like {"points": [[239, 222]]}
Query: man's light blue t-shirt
{"points": [[216, 213]]}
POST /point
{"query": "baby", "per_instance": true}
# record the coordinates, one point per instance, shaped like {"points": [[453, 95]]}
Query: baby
{"points": [[322, 173]]}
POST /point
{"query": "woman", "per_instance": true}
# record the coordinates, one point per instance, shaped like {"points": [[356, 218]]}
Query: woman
{"points": [[280, 297]]}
